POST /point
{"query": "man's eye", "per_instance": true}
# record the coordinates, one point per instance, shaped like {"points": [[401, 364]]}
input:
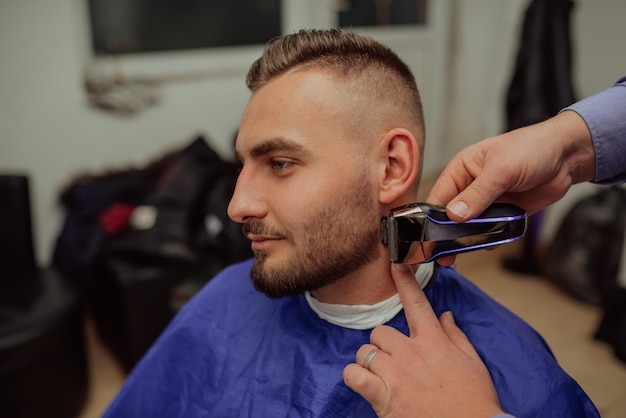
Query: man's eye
{"points": [[280, 165]]}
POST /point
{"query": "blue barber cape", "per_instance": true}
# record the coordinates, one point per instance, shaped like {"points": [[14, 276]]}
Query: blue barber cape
{"points": [[233, 352]]}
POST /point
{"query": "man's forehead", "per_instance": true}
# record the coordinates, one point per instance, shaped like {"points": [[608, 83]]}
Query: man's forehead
{"points": [[304, 111], [308, 87]]}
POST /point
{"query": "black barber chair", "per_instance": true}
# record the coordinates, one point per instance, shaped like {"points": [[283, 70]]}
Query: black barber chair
{"points": [[43, 368]]}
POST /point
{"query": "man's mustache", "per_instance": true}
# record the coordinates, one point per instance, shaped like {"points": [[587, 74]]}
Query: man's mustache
{"points": [[259, 228]]}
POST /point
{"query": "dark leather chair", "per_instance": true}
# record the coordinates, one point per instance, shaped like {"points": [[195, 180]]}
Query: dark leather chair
{"points": [[43, 367]]}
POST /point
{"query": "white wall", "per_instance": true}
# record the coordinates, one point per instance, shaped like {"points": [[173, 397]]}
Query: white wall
{"points": [[598, 32], [483, 48], [47, 130]]}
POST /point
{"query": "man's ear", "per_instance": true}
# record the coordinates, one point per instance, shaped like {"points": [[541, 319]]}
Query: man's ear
{"points": [[399, 165]]}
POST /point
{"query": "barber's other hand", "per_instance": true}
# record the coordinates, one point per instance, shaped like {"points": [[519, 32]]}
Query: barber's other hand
{"points": [[531, 167], [434, 372]]}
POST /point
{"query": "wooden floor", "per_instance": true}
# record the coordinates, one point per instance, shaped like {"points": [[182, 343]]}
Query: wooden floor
{"points": [[566, 324]]}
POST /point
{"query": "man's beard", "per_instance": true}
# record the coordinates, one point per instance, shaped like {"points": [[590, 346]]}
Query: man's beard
{"points": [[341, 238]]}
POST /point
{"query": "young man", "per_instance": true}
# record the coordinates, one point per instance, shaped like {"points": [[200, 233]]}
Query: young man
{"points": [[331, 140]]}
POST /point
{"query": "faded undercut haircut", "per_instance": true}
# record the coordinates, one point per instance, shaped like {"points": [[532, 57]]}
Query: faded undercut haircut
{"points": [[346, 53]]}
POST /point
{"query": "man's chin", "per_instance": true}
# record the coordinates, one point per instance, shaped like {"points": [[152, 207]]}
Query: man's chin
{"points": [[274, 277], [264, 260], [265, 282]]}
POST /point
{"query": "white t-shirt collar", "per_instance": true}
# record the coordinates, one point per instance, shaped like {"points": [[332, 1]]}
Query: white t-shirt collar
{"points": [[366, 316]]}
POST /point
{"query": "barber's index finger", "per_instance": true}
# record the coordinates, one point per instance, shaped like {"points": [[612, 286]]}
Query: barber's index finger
{"points": [[417, 309]]}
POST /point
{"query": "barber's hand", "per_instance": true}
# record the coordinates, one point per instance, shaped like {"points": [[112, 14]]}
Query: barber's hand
{"points": [[435, 372], [531, 167]]}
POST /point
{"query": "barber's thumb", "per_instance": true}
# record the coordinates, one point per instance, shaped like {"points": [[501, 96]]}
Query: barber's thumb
{"points": [[466, 206], [458, 209], [476, 197]]}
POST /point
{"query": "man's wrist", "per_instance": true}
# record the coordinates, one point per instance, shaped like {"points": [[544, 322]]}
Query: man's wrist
{"points": [[578, 151]]}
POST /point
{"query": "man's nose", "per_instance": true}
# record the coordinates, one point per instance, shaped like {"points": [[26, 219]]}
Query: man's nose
{"points": [[246, 203]]}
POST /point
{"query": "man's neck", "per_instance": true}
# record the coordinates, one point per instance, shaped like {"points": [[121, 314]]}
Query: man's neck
{"points": [[366, 316], [370, 284]]}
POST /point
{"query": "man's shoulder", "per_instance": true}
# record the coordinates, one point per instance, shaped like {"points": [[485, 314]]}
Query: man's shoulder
{"points": [[231, 289], [235, 276], [499, 335], [240, 270], [478, 314], [447, 281]]}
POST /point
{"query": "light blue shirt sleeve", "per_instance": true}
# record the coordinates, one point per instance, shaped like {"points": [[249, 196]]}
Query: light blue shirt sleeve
{"points": [[605, 115]]}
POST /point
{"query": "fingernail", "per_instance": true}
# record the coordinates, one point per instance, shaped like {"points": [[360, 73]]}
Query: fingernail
{"points": [[459, 208], [449, 316], [403, 268]]}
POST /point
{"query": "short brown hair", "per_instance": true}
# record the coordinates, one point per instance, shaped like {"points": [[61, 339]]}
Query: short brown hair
{"points": [[376, 70]]}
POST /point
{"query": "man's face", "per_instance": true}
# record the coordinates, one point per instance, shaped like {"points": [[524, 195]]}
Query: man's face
{"points": [[304, 195]]}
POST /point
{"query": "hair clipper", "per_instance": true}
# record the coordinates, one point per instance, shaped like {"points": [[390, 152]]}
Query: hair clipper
{"points": [[420, 232]]}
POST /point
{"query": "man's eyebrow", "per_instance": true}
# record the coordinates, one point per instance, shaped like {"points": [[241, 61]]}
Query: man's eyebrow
{"points": [[271, 145]]}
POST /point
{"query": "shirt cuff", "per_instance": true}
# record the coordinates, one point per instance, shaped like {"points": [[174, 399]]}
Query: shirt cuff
{"points": [[604, 115]]}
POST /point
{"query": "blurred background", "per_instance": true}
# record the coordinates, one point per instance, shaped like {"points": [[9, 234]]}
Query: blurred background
{"points": [[109, 108]]}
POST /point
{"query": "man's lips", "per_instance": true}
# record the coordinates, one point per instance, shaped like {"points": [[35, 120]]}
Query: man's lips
{"points": [[263, 242]]}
